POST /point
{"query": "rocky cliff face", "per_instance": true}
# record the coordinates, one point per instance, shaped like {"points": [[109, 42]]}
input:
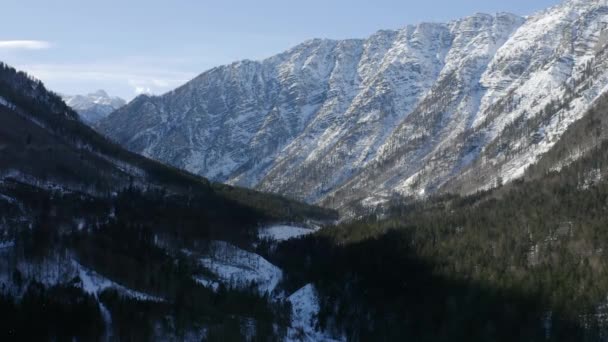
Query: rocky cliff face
{"points": [[432, 107]]}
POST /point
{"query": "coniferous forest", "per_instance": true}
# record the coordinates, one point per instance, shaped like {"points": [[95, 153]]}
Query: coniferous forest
{"points": [[525, 261]]}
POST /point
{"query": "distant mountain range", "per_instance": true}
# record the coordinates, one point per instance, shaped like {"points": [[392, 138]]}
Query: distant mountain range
{"points": [[95, 106]]}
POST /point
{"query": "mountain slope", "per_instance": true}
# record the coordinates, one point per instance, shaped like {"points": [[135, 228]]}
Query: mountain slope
{"points": [[95, 106], [98, 243], [539, 82], [38, 125], [522, 261], [423, 109]]}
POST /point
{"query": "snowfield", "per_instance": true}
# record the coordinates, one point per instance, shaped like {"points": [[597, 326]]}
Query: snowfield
{"points": [[284, 232], [210, 283], [93, 283], [238, 268], [6, 244], [304, 311], [58, 271]]}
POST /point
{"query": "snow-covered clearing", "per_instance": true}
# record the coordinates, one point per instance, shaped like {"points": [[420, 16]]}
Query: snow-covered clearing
{"points": [[284, 232], [238, 268], [94, 283], [6, 244], [304, 311], [305, 306], [58, 271], [206, 282]]}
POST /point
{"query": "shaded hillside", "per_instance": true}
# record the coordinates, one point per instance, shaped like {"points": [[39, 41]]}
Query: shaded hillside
{"points": [[101, 237], [524, 261], [44, 142]]}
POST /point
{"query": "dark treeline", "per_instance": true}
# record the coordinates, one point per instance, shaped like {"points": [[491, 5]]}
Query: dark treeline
{"points": [[495, 269], [59, 313], [381, 290]]}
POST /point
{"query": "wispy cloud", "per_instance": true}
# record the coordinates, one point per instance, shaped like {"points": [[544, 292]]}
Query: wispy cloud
{"points": [[120, 78], [147, 85], [142, 90], [24, 44]]}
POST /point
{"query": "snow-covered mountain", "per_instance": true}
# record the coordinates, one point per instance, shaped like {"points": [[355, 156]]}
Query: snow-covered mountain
{"points": [[95, 106], [457, 106]]}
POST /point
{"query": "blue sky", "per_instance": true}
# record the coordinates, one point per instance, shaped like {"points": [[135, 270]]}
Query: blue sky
{"points": [[132, 46]]}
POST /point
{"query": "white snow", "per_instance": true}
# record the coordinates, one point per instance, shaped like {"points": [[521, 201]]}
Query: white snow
{"points": [[94, 283], [6, 244], [7, 103], [80, 223], [239, 268], [212, 284], [367, 115], [284, 232], [7, 199], [95, 106], [305, 307], [592, 177], [304, 311], [58, 270], [374, 201], [107, 319]]}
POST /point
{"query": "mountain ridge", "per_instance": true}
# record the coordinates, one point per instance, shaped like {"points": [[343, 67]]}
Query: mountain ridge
{"points": [[409, 111], [94, 106]]}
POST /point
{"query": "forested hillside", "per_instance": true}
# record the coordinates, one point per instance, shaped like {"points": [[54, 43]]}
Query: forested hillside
{"points": [[525, 261], [99, 243]]}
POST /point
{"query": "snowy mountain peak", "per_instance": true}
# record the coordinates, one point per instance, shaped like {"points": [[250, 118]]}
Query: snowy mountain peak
{"points": [[421, 109], [94, 106]]}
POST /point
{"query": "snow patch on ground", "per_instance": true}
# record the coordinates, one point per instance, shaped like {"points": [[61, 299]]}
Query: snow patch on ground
{"points": [[305, 307], [107, 319], [238, 268], [57, 270], [592, 178], [94, 283], [284, 232], [304, 311], [6, 244], [6, 103], [209, 283], [7, 199]]}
